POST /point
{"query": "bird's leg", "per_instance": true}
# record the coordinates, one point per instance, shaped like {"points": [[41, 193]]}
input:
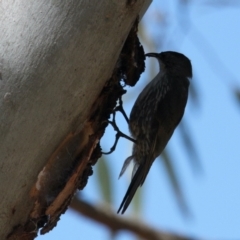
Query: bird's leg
{"points": [[120, 109], [118, 134]]}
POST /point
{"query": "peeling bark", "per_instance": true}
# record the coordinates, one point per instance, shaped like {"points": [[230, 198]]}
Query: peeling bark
{"points": [[56, 95]]}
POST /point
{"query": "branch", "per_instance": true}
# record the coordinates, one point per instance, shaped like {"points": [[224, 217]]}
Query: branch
{"points": [[55, 61], [117, 223]]}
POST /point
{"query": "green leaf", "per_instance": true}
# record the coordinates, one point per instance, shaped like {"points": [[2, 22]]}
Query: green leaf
{"points": [[137, 201], [175, 183], [104, 180], [189, 146]]}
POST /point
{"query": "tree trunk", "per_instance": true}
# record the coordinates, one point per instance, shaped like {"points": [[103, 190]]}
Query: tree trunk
{"points": [[56, 57]]}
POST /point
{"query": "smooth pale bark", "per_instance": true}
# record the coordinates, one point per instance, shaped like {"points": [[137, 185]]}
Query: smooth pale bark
{"points": [[55, 58]]}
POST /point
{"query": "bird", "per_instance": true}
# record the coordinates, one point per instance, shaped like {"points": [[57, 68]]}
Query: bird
{"points": [[155, 114]]}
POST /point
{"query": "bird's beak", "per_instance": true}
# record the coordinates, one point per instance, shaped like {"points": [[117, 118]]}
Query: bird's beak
{"points": [[152, 55]]}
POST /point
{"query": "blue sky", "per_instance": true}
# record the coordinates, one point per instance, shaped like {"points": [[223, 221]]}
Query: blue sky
{"points": [[211, 41]]}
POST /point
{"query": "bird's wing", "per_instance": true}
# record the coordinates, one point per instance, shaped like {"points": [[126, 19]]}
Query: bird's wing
{"points": [[147, 100]]}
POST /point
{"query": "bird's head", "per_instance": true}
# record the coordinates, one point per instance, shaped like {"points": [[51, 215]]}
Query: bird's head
{"points": [[174, 63]]}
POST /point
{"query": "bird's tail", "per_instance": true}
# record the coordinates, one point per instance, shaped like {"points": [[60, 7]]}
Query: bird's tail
{"points": [[137, 180], [125, 165]]}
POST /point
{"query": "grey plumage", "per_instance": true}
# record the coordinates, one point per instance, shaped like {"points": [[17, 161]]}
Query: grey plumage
{"points": [[156, 113]]}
